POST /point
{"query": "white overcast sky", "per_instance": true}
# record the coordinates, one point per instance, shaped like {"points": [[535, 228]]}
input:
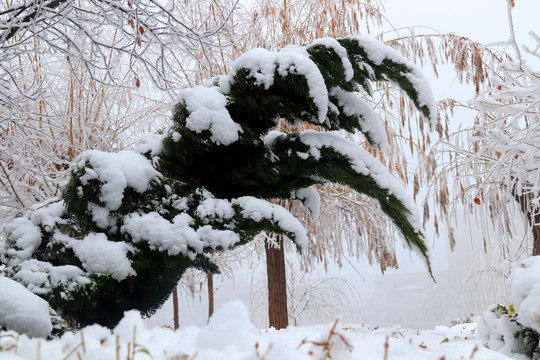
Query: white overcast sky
{"points": [[483, 20]]}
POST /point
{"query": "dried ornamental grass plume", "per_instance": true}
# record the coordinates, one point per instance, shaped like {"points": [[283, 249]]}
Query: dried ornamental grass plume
{"points": [[204, 185]]}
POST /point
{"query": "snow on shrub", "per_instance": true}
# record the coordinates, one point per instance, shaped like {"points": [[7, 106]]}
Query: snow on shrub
{"points": [[515, 330]]}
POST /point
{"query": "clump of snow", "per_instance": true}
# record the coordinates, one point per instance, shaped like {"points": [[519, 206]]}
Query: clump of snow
{"points": [[211, 208], [258, 210], [150, 144], [116, 171], [310, 198], [216, 238], [48, 215], [229, 330], [501, 331], [162, 234], [208, 112], [25, 238], [41, 277], [353, 105], [22, 311], [178, 236], [100, 255], [263, 64], [504, 328]]}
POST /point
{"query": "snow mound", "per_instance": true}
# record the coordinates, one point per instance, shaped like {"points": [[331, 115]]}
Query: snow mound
{"points": [[228, 330], [22, 311], [525, 292]]}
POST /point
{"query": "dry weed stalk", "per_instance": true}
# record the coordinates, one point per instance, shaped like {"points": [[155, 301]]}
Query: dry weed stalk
{"points": [[266, 353], [327, 345]]}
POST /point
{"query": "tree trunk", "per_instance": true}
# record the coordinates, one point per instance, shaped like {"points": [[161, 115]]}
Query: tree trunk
{"points": [[534, 220], [210, 282], [175, 308], [277, 284], [536, 235]]}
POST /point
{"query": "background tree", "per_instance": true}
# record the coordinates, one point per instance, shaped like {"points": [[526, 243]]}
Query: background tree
{"points": [[128, 216], [490, 169], [90, 74]]}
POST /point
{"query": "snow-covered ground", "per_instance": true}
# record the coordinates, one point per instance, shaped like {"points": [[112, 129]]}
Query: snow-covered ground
{"points": [[230, 335]]}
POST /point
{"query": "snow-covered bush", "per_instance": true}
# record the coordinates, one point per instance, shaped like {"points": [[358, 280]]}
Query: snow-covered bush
{"points": [[130, 223], [516, 329]]}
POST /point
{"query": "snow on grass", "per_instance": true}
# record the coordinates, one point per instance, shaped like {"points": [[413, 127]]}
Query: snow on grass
{"points": [[230, 335]]}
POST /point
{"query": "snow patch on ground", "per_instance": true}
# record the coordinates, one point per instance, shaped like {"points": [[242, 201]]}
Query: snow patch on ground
{"points": [[230, 335]]}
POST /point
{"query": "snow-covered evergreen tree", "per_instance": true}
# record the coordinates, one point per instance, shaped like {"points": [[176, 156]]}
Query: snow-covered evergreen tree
{"points": [[130, 223]]}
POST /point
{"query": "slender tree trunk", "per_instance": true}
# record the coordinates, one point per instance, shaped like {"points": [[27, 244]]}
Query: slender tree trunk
{"points": [[175, 308], [534, 220], [210, 282], [277, 284], [536, 235]]}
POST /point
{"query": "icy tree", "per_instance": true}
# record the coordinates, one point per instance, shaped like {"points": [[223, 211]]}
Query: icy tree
{"points": [[90, 75], [130, 223], [487, 172], [494, 163]]}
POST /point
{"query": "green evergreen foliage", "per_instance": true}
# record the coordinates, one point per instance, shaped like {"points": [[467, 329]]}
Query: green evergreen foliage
{"points": [[207, 187]]}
